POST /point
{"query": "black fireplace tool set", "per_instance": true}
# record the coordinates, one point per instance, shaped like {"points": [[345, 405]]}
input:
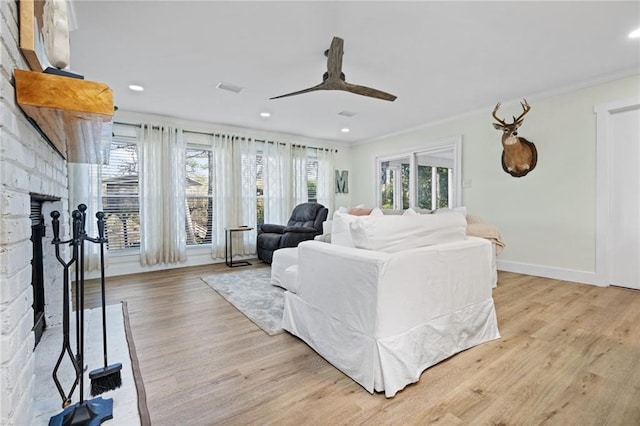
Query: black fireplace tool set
{"points": [[97, 410]]}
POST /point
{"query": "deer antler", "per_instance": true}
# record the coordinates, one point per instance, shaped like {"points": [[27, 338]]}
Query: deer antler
{"points": [[496, 117], [525, 109]]}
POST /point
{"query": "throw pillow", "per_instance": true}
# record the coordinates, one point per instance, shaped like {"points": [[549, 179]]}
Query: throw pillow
{"points": [[343, 209], [462, 210], [359, 211], [340, 233], [396, 233]]}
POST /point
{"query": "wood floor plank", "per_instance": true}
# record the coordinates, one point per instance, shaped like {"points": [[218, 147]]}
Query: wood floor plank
{"points": [[569, 354]]}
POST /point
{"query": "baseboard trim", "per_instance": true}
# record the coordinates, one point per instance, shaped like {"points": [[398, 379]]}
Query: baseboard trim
{"points": [[583, 277]]}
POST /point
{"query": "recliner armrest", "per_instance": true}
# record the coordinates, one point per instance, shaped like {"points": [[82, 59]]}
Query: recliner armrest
{"points": [[304, 229], [272, 228]]}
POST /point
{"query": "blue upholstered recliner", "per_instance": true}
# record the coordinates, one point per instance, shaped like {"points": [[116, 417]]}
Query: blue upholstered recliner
{"points": [[305, 223]]}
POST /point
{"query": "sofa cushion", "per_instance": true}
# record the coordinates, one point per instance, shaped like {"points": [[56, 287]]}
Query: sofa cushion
{"points": [[396, 233]]}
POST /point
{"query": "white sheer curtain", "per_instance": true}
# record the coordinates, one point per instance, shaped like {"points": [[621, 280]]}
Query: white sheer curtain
{"points": [[223, 191], [276, 166], [299, 191], [162, 195], [85, 187], [234, 192], [245, 173], [326, 186]]}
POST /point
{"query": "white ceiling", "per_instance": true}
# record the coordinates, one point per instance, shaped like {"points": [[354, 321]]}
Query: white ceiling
{"points": [[441, 59]]}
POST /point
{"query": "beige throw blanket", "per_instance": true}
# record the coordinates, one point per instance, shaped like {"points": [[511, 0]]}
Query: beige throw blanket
{"points": [[477, 227]]}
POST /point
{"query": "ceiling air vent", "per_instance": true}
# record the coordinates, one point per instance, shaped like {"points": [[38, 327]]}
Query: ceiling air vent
{"points": [[347, 113], [229, 87]]}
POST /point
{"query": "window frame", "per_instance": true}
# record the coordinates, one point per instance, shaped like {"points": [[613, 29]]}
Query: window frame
{"points": [[453, 145]]}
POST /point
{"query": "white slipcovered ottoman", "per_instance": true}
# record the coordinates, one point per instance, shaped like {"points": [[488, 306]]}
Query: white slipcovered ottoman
{"points": [[284, 268]]}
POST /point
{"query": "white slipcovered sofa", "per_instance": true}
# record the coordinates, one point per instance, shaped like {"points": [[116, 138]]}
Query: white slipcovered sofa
{"points": [[476, 227], [382, 316]]}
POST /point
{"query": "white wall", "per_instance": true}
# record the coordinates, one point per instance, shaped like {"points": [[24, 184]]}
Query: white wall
{"points": [[547, 217]]}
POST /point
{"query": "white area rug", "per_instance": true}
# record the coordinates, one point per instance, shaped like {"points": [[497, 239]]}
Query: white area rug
{"points": [[250, 292], [47, 400]]}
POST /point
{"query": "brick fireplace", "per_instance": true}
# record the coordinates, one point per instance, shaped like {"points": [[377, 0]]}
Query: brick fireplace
{"points": [[29, 168]]}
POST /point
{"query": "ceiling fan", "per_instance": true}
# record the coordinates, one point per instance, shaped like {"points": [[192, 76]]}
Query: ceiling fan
{"points": [[334, 79]]}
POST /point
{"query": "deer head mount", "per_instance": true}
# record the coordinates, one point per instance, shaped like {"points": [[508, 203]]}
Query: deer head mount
{"points": [[519, 156]]}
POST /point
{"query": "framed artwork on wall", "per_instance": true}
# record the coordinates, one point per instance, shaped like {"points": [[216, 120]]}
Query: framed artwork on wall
{"points": [[342, 182], [31, 37]]}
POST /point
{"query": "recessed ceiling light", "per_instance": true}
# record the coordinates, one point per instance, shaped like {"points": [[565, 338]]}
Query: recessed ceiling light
{"points": [[265, 114], [345, 130], [229, 87], [635, 33], [136, 87]]}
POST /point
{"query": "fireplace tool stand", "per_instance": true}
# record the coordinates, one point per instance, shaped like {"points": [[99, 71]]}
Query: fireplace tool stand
{"points": [[97, 410]]}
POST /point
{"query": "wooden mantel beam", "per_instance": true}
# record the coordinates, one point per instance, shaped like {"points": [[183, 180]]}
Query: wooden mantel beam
{"points": [[71, 112]]}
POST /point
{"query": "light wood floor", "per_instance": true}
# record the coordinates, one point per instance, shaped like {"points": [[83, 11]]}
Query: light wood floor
{"points": [[569, 355]]}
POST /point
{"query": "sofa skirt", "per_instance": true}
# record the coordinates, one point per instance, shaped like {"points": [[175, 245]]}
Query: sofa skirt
{"points": [[388, 364]]}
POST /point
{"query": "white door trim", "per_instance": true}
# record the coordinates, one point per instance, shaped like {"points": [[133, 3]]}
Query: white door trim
{"points": [[603, 181]]}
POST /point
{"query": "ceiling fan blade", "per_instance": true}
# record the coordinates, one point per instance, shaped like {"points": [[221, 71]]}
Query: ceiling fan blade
{"points": [[368, 91], [334, 58], [299, 92], [333, 79]]}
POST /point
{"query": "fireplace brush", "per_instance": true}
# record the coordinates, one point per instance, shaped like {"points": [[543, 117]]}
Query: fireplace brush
{"points": [[108, 377]]}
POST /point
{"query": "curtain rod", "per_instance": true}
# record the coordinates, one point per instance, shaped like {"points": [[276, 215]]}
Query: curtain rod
{"points": [[220, 134], [259, 140]]}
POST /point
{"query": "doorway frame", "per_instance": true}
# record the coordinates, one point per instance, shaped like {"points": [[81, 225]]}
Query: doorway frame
{"points": [[603, 182]]}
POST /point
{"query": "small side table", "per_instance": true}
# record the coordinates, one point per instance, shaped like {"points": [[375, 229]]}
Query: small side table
{"points": [[228, 246]]}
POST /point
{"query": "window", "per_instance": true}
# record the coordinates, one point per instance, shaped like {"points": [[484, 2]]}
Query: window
{"points": [[312, 177], [428, 178], [312, 182], [434, 180], [394, 183], [199, 195], [259, 189], [120, 198]]}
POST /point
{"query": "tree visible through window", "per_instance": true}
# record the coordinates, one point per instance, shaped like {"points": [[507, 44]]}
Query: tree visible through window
{"points": [[312, 183], [432, 182], [199, 200], [312, 178], [120, 196], [259, 190]]}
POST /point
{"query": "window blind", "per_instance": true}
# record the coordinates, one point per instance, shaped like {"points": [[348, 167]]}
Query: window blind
{"points": [[199, 191], [120, 196]]}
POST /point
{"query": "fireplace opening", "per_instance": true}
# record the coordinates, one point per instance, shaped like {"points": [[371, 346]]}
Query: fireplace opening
{"points": [[38, 229]]}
